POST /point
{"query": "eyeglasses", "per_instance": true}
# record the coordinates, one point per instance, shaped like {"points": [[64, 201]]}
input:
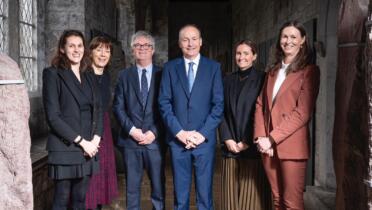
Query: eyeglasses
{"points": [[143, 46]]}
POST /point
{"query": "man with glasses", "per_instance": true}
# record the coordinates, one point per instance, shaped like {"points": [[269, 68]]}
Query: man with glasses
{"points": [[135, 107], [191, 104]]}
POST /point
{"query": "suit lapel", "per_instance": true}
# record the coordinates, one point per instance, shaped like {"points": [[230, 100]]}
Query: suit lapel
{"points": [[181, 71], [270, 86], [200, 74], [74, 88], [232, 93], [292, 77], [134, 80], [150, 96]]}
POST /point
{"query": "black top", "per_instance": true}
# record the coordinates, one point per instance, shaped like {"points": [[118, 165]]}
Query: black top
{"points": [[104, 85], [72, 108], [241, 89]]}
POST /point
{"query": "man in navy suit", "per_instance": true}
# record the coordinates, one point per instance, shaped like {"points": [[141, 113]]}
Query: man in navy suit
{"points": [[191, 105], [136, 109]]}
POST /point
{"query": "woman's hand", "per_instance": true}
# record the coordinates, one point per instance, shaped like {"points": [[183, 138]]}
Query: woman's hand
{"points": [[232, 146], [263, 144], [242, 146], [96, 140], [89, 148]]}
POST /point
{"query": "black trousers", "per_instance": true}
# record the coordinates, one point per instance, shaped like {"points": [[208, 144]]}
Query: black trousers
{"points": [[77, 188]]}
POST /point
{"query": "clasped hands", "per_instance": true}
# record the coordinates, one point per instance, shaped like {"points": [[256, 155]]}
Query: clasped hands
{"points": [[234, 147], [264, 145], [191, 139], [142, 138], [91, 147]]}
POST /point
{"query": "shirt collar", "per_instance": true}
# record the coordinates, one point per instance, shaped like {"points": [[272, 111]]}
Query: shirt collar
{"points": [[148, 68], [195, 61]]}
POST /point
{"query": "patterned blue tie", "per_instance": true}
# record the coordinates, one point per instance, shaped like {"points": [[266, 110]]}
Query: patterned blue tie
{"points": [[144, 87], [190, 76]]}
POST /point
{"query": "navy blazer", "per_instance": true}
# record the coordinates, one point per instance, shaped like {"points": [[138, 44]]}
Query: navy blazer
{"points": [[66, 117], [200, 110], [130, 112]]}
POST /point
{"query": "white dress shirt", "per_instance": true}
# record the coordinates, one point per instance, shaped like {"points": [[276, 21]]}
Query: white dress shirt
{"points": [[280, 79]]}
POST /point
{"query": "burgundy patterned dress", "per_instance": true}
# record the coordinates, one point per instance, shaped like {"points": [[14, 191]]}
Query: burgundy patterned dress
{"points": [[103, 186]]}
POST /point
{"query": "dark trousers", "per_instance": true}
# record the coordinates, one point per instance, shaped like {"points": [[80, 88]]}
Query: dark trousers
{"points": [[76, 187], [136, 160]]}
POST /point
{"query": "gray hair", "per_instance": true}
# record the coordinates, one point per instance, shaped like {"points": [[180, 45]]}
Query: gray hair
{"points": [[144, 34]]}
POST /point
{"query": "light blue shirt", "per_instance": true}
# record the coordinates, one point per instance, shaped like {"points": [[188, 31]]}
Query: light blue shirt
{"points": [[194, 67], [148, 74]]}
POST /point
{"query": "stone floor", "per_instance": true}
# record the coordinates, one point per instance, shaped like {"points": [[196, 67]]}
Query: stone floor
{"points": [[315, 198]]}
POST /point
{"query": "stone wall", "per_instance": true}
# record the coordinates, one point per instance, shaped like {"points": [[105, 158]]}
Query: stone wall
{"points": [[149, 15], [260, 21], [102, 16]]}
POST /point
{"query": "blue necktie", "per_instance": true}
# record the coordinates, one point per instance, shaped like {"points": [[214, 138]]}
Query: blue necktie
{"points": [[190, 76], [144, 87]]}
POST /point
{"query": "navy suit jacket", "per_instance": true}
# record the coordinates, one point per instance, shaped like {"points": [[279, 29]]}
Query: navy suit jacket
{"points": [[130, 112], [200, 110]]}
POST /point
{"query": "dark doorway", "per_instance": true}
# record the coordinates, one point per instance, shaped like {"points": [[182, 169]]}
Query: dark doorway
{"points": [[214, 20]]}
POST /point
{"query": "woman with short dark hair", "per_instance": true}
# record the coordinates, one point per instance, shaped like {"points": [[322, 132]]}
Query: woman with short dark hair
{"points": [[103, 185]]}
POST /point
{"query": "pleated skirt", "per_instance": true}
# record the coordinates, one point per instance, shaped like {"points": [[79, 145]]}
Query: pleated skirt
{"points": [[244, 185]]}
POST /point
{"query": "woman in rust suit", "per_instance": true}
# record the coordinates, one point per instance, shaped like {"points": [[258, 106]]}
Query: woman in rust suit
{"points": [[283, 112]]}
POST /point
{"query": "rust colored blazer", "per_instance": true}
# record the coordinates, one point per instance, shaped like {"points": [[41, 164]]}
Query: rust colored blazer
{"points": [[286, 119]]}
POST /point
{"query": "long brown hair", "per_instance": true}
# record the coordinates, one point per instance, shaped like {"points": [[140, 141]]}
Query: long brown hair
{"points": [[302, 58], [60, 59]]}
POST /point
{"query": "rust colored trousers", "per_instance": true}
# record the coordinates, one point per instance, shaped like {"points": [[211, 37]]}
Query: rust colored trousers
{"points": [[287, 180]]}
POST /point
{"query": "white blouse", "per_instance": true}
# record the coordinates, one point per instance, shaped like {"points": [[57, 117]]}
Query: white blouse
{"points": [[280, 79]]}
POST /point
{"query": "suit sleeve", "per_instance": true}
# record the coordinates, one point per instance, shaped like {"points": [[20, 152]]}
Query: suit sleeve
{"points": [[225, 132], [165, 103], [157, 126], [51, 91], [259, 119], [216, 113], [119, 107], [301, 114]]}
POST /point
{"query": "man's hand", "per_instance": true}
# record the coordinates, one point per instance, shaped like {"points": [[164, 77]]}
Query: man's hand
{"points": [[148, 138], [197, 138], [137, 134], [186, 138]]}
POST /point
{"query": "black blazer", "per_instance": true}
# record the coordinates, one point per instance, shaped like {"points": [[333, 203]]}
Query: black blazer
{"points": [[130, 112], [237, 123], [70, 112]]}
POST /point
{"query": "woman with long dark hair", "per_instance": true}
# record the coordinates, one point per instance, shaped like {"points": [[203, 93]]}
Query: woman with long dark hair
{"points": [[73, 114], [283, 112], [244, 183]]}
